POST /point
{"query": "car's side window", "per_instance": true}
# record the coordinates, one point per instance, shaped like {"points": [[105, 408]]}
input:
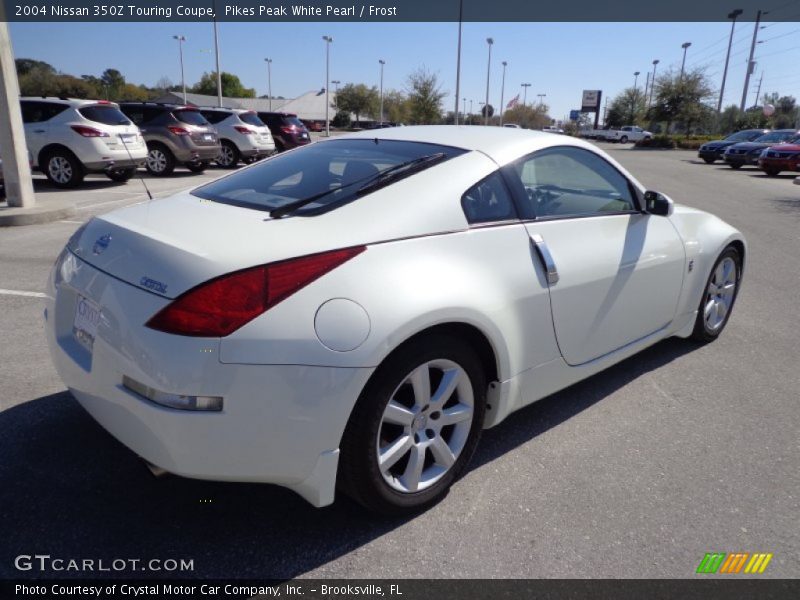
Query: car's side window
{"points": [[567, 181], [488, 201]]}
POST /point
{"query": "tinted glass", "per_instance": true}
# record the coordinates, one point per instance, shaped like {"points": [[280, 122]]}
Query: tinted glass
{"points": [[215, 116], [744, 136], [294, 121], [338, 166], [134, 113], [572, 182], [105, 114], [191, 117], [488, 201], [39, 112], [775, 136], [251, 119]]}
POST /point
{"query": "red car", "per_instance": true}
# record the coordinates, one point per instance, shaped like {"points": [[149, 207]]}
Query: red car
{"points": [[783, 157]]}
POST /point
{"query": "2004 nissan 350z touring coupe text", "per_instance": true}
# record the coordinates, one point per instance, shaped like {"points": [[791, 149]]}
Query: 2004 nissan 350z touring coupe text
{"points": [[351, 314]]}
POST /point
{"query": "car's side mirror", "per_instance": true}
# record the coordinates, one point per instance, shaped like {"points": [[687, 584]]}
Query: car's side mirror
{"points": [[656, 203]]}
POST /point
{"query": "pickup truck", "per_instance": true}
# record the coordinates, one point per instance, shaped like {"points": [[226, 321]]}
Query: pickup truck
{"points": [[623, 135]]}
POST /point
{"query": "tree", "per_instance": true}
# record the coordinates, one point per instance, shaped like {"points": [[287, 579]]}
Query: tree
{"points": [[114, 82], [231, 86], [358, 99], [530, 117], [682, 98], [424, 97], [395, 106], [786, 111], [341, 120], [26, 65], [627, 108]]}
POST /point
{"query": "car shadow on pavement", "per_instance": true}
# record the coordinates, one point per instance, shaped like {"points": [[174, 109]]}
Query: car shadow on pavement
{"points": [[68, 489]]}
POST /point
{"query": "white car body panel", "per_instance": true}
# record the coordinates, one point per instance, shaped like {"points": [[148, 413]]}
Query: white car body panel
{"points": [[291, 376]]}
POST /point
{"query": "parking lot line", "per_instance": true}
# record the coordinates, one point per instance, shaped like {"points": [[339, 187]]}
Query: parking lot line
{"points": [[22, 293]]}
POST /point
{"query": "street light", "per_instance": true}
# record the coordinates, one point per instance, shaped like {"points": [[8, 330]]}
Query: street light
{"points": [[541, 102], [328, 39], [685, 45], [653, 84], [732, 15], [525, 87], [181, 39], [635, 93], [458, 60], [336, 82], [489, 41], [503, 92], [382, 63], [465, 109], [219, 73], [269, 81]]}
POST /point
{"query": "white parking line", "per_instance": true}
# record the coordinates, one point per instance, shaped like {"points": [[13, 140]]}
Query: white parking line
{"points": [[95, 205], [22, 293]]}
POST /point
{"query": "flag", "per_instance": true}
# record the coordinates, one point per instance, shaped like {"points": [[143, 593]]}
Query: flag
{"points": [[513, 102]]}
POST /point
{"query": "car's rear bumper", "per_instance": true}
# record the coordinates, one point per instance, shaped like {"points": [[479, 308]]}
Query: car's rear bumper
{"points": [[104, 165], [279, 424]]}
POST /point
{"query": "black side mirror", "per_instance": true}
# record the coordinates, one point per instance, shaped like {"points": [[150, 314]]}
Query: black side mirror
{"points": [[656, 203]]}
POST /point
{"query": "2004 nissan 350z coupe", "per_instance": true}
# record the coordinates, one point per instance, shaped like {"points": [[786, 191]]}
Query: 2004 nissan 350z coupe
{"points": [[351, 314]]}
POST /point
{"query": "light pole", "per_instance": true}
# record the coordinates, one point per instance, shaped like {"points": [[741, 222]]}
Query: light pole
{"points": [[732, 16], [328, 39], [503, 92], [336, 82], [219, 74], [470, 111], [181, 39], [541, 102], [382, 63], [465, 109], [653, 80], [489, 41], [269, 81], [685, 46], [525, 87], [635, 93], [458, 60]]}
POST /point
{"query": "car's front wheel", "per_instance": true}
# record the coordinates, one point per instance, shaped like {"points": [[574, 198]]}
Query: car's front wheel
{"points": [[735, 165], [709, 160], [623, 139], [772, 172], [719, 295], [415, 426]]}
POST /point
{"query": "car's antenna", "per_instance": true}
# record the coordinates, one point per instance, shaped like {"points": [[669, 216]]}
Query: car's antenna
{"points": [[136, 168]]}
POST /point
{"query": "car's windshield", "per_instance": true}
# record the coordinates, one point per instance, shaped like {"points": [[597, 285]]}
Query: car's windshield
{"points": [[743, 136], [775, 136], [251, 119], [316, 169]]}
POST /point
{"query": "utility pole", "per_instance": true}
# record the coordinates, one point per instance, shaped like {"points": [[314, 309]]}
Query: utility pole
{"points": [[489, 41], [219, 75], [503, 92], [181, 39], [750, 63], [458, 60], [758, 91], [328, 39], [382, 63], [733, 16], [685, 46]]}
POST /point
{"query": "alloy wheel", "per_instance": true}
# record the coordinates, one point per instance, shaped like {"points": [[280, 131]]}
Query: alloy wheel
{"points": [[156, 160], [720, 294], [60, 169]]}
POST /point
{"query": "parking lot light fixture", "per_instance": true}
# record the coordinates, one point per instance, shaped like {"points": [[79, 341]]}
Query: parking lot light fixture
{"points": [[503, 92], [653, 80], [489, 41], [525, 87], [541, 101], [382, 63], [328, 39], [181, 39], [269, 81]]}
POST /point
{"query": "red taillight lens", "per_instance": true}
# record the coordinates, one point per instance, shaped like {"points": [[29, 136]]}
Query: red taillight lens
{"points": [[178, 130], [221, 306], [88, 131], [289, 129], [245, 130]]}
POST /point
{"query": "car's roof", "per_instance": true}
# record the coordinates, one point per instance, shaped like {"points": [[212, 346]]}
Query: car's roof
{"points": [[68, 101], [502, 144]]}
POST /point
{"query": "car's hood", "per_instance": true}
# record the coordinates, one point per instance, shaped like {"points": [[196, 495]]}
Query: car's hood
{"points": [[750, 146], [719, 144], [786, 147]]}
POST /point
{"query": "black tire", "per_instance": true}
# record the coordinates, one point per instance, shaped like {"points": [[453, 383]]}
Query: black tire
{"points": [[160, 162], [709, 160], [772, 172], [735, 165], [623, 139], [359, 473], [702, 333], [121, 175], [229, 155], [197, 167], [63, 168]]}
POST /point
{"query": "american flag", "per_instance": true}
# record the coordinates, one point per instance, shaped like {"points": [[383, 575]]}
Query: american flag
{"points": [[513, 102]]}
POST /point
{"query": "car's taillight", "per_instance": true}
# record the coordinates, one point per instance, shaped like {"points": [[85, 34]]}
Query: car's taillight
{"points": [[88, 131], [245, 130], [221, 306], [178, 130], [290, 129]]}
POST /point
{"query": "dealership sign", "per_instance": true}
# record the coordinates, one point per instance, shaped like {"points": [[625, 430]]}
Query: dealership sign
{"points": [[590, 101]]}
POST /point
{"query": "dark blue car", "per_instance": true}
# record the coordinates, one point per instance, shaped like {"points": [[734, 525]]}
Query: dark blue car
{"points": [[711, 151], [747, 153]]}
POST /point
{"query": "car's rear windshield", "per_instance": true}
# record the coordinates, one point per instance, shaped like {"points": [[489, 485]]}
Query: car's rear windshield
{"points": [[190, 117], [775, 136], [105, 114], [744, 136], [294, 121], [332, 172], [251, 119]]}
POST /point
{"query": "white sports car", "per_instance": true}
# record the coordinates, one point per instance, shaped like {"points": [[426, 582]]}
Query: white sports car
{"points": [[354, 312]]}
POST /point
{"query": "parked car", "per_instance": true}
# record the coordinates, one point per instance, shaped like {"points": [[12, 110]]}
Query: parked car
{"points": [[748, 153], [175, 135], [373, 325], [287, 130], [243, 136], [623, 135], [512, 126], [711, 151], [69, 138], [552, 130], [781, 157]]}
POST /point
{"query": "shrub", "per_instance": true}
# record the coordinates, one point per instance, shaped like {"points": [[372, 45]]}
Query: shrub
{"points": [[657, 141]]}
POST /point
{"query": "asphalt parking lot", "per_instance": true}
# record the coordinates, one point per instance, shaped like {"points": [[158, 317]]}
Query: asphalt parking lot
{"points": [[634, 473]]}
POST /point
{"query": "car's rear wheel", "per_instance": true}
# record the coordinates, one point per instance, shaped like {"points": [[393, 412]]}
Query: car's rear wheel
{"points": [[772, 172], [63, 169], [719, 295], [159, 161], [709, 160], [229, 155], [415, 426], [197, 167], [623, 139], [121, 175], [735, 165]]}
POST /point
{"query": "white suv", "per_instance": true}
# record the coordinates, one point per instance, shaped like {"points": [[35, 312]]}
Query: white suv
{"points": [[242, 134], [69, 138]]}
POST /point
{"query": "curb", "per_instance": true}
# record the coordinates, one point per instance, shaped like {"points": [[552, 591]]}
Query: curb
{"points": [[52, 211]]}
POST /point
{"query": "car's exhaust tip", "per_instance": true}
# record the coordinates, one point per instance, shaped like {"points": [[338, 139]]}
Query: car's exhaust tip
{"points": [[157, 472]]}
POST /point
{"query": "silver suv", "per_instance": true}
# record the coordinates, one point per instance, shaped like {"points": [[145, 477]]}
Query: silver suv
{"points": [[69, 138], [175, 134], [243, 136]]}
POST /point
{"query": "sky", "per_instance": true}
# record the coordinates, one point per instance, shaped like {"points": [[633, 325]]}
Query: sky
{"points": [[557, 59]]}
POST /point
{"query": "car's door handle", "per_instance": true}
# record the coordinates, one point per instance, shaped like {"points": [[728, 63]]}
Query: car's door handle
{"points": [[547, 259]]}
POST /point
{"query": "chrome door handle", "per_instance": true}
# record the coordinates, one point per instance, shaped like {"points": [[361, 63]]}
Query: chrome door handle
{"points": [[547, 259]]}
